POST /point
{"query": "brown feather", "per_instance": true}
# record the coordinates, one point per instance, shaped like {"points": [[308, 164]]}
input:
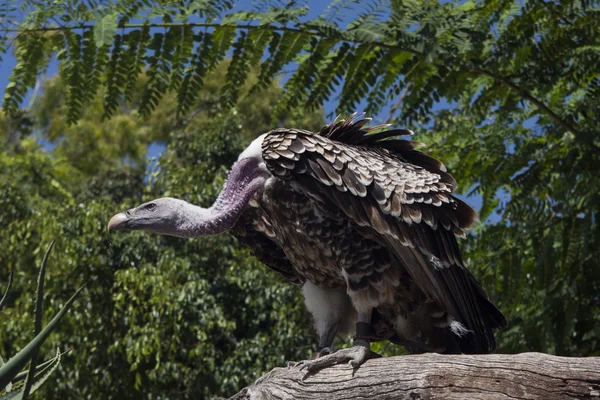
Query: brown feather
{"points": [[377, 219], [415, 213], [353, 184], [467, 217], [428, 217], [396, 206], [318, 173], [333, 175], [378, 193], [378, 138], [284, 152], [287, 163], [338, 164], [359, 208], [423, 160], [297, 147]]}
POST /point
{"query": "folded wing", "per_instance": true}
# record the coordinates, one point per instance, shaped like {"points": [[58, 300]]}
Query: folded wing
{"points": [[381, 183]]}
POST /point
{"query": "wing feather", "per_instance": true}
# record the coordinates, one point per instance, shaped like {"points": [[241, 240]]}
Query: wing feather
{"points": [[380, 182], [264, 249]]}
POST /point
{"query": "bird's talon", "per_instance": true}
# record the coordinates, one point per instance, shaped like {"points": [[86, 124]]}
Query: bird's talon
{"points": [[354, 356], [326, 351]]}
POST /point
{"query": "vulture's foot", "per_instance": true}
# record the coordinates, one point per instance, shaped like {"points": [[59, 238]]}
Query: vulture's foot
{"points": [[320, 352], [325, 351], [355, 356]]}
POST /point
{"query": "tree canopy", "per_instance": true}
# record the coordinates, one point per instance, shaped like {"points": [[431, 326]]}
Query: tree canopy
{"points": [[506, 93], [161, 317]]}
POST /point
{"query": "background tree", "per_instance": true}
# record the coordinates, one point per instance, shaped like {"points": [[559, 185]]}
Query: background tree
{"points": [[162, 317], [507, 93]]}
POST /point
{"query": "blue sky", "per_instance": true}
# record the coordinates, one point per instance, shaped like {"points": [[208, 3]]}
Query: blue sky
{"points": [[316, 8]]}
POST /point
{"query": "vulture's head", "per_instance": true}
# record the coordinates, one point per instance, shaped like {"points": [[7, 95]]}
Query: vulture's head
{"points": [[174, 217], [164, 216]]}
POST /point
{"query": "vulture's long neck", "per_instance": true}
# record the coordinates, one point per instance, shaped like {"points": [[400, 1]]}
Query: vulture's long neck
{"points": [[244, 180]]}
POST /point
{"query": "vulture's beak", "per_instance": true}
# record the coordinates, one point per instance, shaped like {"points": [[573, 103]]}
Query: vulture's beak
{"points": [[118, 222]]}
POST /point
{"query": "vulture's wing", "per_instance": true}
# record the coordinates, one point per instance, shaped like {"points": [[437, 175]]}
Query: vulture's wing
{"points": [[381, 183], [263, 248]]}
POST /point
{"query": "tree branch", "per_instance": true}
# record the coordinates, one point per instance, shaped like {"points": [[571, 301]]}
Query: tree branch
{"points": [[538, 103], [397, 104], [214, 25], [436, 376]]}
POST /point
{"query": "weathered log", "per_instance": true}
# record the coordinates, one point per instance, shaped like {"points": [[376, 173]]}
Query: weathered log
{"points": [[436, 376]]}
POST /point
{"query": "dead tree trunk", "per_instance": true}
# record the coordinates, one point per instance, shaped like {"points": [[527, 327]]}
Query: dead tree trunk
{"points": [[435, 376]]}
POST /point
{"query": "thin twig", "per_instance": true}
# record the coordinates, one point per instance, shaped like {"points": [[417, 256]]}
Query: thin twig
{"points": [[396, 105], [208, 25], [8, 286], [538, 103]]}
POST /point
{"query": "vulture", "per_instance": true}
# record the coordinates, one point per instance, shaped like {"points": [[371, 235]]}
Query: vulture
{"points": [[363, 222]]}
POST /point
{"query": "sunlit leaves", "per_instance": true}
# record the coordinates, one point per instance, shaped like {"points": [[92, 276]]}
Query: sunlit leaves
{"points": [[184, 46], [237, 71], [307, 72], [459, 37], [105, 30], [161, 47], [32, 58], [330, 75], [283, 49]]}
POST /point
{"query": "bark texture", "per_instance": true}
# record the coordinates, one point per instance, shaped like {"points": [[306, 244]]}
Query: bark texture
{"points": [[436, 376]]}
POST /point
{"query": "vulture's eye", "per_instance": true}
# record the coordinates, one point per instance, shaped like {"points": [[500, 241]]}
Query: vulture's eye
{"points": [[151, 207]]}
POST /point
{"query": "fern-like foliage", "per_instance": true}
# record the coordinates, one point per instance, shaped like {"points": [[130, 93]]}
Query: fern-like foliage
{"points": [[308, 71], [427, 46], [184, 46], [134, 58], [115, 78], [282, 51], [158, 71], [237, 71], [330, 75]]}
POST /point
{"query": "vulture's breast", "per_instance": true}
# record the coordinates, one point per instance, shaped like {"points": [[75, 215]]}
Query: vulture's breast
{"points": [[319, 242]]}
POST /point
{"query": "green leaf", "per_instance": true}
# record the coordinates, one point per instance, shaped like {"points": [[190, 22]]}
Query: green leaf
{"points": [[306, 74], [158, 72], [105, 29], [12, 367], [467, 6], [8, 285], [40, 368], [237, 72], [137, 45], [330, 75], [283, 50], [49, 367], [181, 56], [39, 315], [361, 69], [42, 373], [233, 18]]}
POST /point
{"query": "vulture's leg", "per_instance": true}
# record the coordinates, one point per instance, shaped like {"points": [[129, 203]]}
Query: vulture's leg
{"points": [[332, 313], [355, 355]]}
